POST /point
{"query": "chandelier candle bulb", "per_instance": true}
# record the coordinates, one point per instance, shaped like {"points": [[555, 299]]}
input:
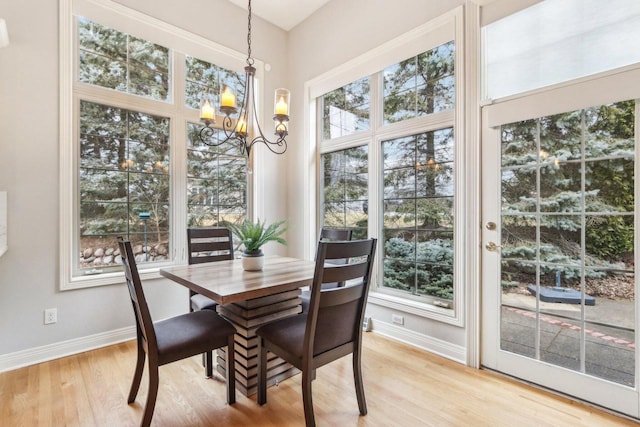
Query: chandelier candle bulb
{"points": [[206, 111], [241, 127], [281, 102], [227, 98]]}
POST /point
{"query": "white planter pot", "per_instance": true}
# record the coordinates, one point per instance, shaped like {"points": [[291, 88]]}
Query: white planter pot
{"points": [[253, 262]]}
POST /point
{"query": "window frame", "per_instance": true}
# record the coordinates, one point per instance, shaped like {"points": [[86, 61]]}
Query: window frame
{"points": [[179, 42], [445, 28]]}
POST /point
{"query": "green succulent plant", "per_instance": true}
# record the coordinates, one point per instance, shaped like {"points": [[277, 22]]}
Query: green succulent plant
{"points": [[254, 235]]}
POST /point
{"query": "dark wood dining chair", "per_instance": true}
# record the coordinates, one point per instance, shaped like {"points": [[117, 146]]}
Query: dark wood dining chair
{"points": [[172, 339], [208, 244], [330, 235], [333, 326]]}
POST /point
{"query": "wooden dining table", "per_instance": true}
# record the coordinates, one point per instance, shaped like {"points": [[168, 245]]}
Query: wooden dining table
{"points": [[249, 299]]}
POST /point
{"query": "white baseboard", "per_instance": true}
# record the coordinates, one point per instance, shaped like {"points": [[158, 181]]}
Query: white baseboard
{"points": [[57, 350], [45, 353], [442, 348]]}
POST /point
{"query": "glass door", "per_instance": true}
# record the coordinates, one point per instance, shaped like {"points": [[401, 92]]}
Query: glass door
{"points": [[559, 236]]}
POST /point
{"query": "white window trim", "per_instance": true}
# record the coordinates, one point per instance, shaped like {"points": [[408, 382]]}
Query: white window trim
{"points": [[422, 38], [110, 13]]}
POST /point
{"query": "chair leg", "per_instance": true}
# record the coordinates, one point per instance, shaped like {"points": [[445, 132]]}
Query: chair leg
{"points": [[231, 370], [151, 397], [262, 372], [208, 364], [357, 376], [137, 375], [307, 378]]}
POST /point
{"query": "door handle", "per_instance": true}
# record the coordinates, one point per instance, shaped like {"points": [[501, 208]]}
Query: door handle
{"points": [[492, 247]]}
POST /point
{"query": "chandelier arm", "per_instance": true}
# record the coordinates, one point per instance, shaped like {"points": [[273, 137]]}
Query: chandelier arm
{"points": [[280, 142], [206, 135], [271, 145], [228, 128]]}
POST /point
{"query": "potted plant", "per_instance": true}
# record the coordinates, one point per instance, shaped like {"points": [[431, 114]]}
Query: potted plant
{"points": [[253, 236]]}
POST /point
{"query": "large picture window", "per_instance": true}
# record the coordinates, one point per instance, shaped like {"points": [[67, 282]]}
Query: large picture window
{"points": [[389, 153], [138, 169]]}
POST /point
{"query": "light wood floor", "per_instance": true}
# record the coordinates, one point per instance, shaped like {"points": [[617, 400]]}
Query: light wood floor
{"points": [[404, 387]]}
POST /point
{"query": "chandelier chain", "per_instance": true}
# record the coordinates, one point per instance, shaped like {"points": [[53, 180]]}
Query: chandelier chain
{"points": [[249, 58]]}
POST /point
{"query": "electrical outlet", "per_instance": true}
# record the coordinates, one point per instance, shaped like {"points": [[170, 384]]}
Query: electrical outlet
{"points": [[397, 319], [50, 316], [366, 324]]}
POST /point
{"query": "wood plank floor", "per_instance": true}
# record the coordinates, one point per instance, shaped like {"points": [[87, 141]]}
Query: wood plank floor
{"points": [[404, 387]]}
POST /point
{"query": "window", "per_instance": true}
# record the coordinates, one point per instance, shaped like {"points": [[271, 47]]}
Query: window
{"points": [[346, 110], [124, 177], [388, 155], [345, 190], [418, 214], [133, 153], [216, 182], [557, 41], [422, 85], [112, 59]]}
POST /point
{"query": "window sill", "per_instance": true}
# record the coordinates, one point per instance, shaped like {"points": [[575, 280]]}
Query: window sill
{"points": [[113, 278], [416, 308]]}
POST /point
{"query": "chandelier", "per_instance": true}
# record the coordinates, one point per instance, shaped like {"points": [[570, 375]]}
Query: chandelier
{"points": [[238, 130]]}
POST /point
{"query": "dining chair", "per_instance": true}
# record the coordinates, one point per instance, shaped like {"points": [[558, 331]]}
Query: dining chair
{"points": [[208, 244], [331, 235], [172, 339], [331, 329]]}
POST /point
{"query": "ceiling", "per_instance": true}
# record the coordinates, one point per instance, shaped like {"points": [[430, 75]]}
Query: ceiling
{"points": [[285, 14]]}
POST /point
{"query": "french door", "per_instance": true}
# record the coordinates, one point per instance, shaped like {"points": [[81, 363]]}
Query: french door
{"points": [[560, 207]]}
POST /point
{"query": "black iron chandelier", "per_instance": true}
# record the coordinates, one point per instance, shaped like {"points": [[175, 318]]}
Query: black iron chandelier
{"points": [[239, 130]]}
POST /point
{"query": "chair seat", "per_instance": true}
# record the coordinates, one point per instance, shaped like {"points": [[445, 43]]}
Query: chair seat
{"points": [[288, 334], [201, 302], [190, 334]]}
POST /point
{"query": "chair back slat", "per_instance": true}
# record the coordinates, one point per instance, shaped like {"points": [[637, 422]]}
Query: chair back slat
{"points": [[197, 246], [335, 234], [343, 249], [343, 272], [335, 315], [144, 323], [339, 296], [208, 232], [209, 244]]}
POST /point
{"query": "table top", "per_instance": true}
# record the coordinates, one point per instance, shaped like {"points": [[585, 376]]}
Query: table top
{"points": [[226, 282]]}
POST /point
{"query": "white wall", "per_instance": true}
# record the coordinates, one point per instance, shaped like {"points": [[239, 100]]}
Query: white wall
{"points": [[29, 170]]}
